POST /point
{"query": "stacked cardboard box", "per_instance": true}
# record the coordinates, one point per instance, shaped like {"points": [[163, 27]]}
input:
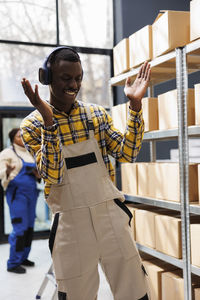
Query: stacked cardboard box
{"points": [[173, 286], [154, 269], [129, 178], [140, 46], [195, 242], [119, 116], [150, 113], [168, 109], [121, 57], [161, 181], [197, 103], [171, 29], [194, 19]]}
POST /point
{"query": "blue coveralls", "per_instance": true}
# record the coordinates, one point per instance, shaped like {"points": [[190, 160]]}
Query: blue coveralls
{"points": [[21, 196]]}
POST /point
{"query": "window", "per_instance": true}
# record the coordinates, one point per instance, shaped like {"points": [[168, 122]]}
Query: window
{"points": [[31, 29]]}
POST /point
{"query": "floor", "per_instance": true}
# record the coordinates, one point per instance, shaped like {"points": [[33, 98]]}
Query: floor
{"points": [[26, 286]]}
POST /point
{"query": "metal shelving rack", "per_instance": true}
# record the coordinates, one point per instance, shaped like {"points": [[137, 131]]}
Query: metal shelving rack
{"points": [[176, 64]]}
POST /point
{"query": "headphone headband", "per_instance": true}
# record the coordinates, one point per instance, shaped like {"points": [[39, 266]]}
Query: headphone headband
{"points": [[44, 72]]}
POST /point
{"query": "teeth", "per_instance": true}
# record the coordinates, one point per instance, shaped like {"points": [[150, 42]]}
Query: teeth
{"points": [[70, 93]]}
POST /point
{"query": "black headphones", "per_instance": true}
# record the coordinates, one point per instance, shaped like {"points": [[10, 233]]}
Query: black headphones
{"points": [[45, 72]]}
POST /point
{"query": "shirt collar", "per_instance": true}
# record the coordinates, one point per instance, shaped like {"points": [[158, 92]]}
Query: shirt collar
{"points": [[55, 110]]}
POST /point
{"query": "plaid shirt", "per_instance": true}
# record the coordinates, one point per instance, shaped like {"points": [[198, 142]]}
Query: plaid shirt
{"points": [[45, 144]]}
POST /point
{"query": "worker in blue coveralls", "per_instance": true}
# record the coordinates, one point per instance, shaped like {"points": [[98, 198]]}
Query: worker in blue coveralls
{"points": [[19, 177]]}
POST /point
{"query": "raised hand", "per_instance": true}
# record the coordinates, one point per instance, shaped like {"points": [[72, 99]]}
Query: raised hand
{"points": [[135, 91], [42, 106]]}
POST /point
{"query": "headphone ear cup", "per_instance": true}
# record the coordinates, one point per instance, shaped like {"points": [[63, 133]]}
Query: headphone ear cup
{"points": [[44, 76]]}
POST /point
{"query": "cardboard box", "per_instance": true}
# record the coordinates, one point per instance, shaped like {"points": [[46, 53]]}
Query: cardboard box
{"points": [[168, 109], [119, 116], [150, 113], [129, 178], [168, 235], [199, 182], [173, 285], [195, 242], [194, 19], [171, 29], [197, 103], [140, 46], [121, 57], [143, 177], [154, 269], [197, 293], [164, 182], [145, 226]]}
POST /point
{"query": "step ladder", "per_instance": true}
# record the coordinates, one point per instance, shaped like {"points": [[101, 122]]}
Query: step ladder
{"points": [[49, 276]]}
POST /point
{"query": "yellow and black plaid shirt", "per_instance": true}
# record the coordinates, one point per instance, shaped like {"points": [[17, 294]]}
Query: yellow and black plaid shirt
{"points": [[45, 144]]}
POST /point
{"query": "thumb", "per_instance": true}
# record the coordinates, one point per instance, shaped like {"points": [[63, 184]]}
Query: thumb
{"points": [[128, 81]]}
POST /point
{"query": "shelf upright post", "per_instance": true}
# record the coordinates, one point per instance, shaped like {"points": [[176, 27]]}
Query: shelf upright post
{"points": [[152, 143], [182, 92]]}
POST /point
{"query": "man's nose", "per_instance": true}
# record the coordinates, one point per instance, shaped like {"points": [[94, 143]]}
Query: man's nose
{"points": [[73, 84]]}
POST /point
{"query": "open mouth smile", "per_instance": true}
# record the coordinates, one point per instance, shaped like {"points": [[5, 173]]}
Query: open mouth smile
{"points": [[71, 92]]}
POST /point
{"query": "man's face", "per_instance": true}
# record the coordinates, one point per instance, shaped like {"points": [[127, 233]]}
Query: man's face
{"points": [[66, 83]]}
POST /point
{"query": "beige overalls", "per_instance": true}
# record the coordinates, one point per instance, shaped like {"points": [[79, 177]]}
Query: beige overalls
{"points": [[89, 227]]}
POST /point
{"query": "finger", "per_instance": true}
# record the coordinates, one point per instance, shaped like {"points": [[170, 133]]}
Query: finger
{"points": [[128, 81], [36, 92], [27, 89], [148, 74], [140, 72]]}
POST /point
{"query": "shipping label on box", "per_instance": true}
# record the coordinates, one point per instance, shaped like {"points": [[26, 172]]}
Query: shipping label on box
{"points": [[171, 29], [194, 19], [168, 109], [197, 103], [129, 178], [121, 57], [140, 46], [150, 113]]}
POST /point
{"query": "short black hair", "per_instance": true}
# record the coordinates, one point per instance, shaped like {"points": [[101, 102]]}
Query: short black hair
{"points": [[12, 134], [67, 54]]}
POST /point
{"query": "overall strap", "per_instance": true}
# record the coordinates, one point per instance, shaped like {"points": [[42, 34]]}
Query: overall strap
{"points": [[13, 148], [90, 122]]}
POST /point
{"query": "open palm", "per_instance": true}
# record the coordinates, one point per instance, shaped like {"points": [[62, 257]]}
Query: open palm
{"points": [[135, 91]]}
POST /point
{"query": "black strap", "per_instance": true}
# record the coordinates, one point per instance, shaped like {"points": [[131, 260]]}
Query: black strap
{"points": [[81, 160], [53, 232], [144, 298], [125, 209], [16, 220]]}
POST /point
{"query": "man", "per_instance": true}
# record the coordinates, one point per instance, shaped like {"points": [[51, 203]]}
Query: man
{"points": [[71, 142]]}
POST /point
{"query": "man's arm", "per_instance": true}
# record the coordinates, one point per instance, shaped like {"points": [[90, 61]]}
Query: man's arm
{"points": [[45, 146], [125, 148]]}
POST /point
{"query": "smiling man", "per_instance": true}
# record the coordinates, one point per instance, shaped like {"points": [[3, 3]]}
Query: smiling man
{"points": [[71, 142]]}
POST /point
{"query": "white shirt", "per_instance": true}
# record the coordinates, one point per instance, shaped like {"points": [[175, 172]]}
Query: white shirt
{"points": [[9, 157]]}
